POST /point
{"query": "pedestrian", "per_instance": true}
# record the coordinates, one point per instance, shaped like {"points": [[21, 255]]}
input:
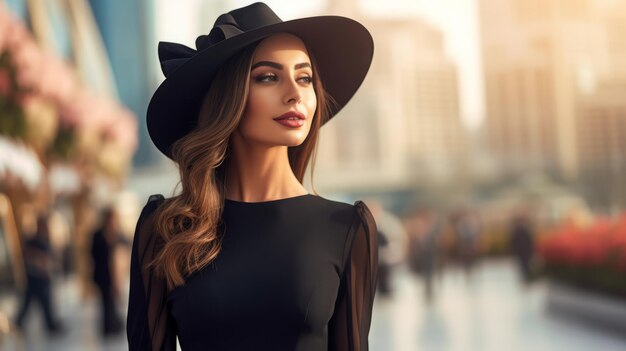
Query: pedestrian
{"points": [[423, 229], [522, 244], [384, 268], [39, 261], [104, 242], [244, 258], [467, 230]]}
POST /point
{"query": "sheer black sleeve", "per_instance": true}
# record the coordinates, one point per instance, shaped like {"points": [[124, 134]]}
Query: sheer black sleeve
{"points": [[349, 326], [149, 325]]}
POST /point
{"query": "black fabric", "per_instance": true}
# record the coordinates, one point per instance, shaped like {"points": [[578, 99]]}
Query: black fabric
{"points": [[293, 274], [148, 324]]}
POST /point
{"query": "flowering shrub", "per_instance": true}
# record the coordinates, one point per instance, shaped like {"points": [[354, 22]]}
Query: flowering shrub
{"points": [[44, 104], [592, 257]]}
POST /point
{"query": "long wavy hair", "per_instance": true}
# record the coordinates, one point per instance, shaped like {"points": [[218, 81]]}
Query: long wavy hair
{"points": [[189, 222]]}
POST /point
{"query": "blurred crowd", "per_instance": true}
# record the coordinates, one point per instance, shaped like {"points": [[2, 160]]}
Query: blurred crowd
{"points": [[48, 253], [427, 240]]}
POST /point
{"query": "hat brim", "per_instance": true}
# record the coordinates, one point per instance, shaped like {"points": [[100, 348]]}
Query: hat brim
{"points": [[343, 51]]}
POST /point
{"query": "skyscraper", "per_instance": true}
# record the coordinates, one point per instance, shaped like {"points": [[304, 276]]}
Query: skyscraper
{"points": [[403, 127], [602, 150], [539, 56]]}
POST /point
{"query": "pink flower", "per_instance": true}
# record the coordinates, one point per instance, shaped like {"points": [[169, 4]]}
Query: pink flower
{"points": [[57, 81], [28, 61]]}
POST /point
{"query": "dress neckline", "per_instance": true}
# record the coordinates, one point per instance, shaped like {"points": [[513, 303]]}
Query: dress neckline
{"points": [[229, 201]]}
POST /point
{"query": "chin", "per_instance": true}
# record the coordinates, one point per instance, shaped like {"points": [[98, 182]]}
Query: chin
{"points": [[293, 142], [292, 138]]}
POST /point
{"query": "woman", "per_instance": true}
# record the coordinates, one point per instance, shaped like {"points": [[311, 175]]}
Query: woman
{"points": [[244, 258]]}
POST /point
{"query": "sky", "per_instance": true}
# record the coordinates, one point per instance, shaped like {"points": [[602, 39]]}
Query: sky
{"points": [[457, 19]]}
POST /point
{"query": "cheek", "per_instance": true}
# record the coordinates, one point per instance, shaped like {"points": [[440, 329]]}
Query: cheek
{"points": [[257, 103], [258, 109], [310, 102]]}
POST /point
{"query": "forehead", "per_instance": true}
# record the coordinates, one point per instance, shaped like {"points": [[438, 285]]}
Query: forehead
{"points": [[281, 46]]}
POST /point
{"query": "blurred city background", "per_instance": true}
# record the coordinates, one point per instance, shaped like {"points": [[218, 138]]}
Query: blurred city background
{"points": [[489, 140]]}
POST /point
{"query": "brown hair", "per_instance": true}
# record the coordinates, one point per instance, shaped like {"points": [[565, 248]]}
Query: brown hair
{"points": [[189, 222]]}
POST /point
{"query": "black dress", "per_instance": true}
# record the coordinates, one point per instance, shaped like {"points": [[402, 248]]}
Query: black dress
{"points": [[293, 274]]}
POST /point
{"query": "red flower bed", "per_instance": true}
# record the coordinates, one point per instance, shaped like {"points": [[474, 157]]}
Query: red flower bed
{"points": [[593, 257]]}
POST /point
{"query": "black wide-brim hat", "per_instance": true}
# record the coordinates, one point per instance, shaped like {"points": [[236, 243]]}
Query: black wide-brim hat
{"points": [[342, 48]]}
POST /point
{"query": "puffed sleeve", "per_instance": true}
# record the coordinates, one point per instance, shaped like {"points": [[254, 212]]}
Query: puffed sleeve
{"points": [[149, 325], [349, 326]]}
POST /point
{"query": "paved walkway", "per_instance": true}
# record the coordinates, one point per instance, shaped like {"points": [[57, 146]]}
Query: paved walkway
{"points": [[490, 311]]}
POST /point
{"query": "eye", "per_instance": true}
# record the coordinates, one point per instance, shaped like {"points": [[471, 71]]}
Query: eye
{"points": [[263, 78], [306, 79]]}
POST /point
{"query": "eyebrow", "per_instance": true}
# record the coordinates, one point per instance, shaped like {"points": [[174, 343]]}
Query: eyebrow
{"points": [[278, 65]]}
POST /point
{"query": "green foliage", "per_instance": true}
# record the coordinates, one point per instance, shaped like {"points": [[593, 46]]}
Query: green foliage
{"points": [[64, 143], [597, 278], [12, 117]]}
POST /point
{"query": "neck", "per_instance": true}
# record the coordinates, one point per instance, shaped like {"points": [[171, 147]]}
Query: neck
{"points": [[260, 173]]}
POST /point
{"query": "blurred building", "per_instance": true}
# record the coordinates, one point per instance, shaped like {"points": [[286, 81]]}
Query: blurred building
{"points": [[68, 29], [539, 57], [127, 29], [602, 119], [403, 126], [602, 150], [554, 84]]}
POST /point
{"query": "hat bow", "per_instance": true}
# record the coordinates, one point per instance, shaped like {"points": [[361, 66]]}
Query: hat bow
{"points": [[228, 25]]}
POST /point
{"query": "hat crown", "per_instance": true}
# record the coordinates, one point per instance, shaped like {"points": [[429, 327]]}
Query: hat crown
{"points": [[237, 22]]}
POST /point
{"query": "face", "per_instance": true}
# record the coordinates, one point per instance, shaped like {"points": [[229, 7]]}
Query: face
{"points": [[281, 86]]}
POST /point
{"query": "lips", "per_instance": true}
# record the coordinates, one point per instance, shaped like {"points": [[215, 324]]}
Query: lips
{"points": [[291, 115]]}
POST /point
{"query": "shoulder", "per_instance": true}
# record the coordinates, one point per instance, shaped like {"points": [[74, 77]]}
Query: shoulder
{"points": [[148, 211], [143, 230], [334, 208], [154, 200], [357, 231], [351, 215], [330, 205]]}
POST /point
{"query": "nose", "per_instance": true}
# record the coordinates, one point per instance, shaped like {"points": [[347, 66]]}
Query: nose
{"points": [[292, 93]]}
